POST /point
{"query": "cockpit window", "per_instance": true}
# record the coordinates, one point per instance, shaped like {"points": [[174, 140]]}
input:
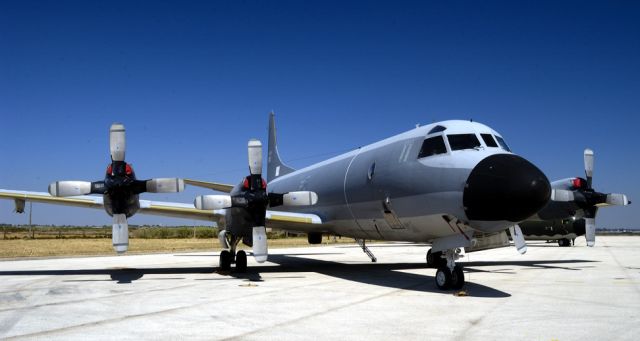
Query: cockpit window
{"points": [[463, 141], [502, 143], [488, 140], [432, 146], [437, 129]]}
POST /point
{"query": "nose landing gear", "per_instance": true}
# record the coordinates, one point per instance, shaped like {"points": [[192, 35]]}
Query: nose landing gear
{"points": [[449, 274]]}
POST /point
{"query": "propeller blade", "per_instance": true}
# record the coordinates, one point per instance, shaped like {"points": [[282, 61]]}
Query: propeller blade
{"points": [[590, 231], [518, 239], [588, 166], [165, 185], [617, 199], [212, 202], [255, 157], [562, 195], [69, 188], [117, 142], [260, 251], [120, 233], [300, 198]]}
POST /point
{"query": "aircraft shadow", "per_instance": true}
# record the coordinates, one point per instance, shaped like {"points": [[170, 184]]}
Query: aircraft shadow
{"points": [[384, 275]]}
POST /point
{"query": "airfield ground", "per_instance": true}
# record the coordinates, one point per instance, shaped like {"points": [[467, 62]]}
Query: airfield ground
{"points": [[330, 292]]}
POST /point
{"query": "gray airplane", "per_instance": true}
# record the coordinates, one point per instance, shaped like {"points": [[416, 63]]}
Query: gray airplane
{"points": [[453, 184]]}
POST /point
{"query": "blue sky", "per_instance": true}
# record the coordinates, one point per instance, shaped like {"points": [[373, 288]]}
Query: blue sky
{"points": [[193, 81]]}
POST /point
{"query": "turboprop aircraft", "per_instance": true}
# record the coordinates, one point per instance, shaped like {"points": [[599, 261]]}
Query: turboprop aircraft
{"points": [[453, 184], [576, 214]]}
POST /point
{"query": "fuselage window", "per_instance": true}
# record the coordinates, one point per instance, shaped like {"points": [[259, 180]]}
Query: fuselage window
{"points": [[463, 141], [502, 143], [488, 140], [432, 146]]}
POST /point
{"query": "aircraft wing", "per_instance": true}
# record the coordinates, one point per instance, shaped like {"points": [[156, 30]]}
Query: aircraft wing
{"points": [[295, 222], [169, 209], [298, 222], [216, 186]]}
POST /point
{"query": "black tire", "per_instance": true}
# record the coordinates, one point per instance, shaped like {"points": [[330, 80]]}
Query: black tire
{"points": [[457, 278], [435, 260], [443, 278], [225, 260], [564, 242], [430, 261], [241, 261]]}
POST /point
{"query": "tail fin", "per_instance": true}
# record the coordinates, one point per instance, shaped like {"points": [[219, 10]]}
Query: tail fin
{"points": [[275, 166]]}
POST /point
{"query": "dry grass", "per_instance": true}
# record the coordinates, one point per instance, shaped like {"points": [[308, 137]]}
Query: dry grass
{"points": [[13, 248]]}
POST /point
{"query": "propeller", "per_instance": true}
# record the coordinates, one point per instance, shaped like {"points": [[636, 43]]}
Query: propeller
{"points": [[581, 192], [253, 197], [119, 187], [518, 239]]}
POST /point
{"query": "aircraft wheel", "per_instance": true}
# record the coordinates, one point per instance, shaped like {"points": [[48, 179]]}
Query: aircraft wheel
{"points": [[457, 278], [443, 278], [241, 261], [225, 260], [434, 259]]}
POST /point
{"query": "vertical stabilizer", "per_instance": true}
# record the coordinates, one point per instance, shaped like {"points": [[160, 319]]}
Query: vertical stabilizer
{"points": [[275, 166]]}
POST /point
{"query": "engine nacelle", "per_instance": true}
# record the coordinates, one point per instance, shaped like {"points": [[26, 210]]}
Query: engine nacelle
{"points": [[69, 188], [165, 185], [212, 202]]}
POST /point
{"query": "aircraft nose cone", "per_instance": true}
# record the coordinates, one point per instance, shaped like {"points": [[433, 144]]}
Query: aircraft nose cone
{"points": [[505, 187]]}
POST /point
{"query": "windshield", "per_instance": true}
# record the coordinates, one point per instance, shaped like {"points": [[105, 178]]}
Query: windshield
{"points": [[502, 143], [463, 141], [432, 146]]}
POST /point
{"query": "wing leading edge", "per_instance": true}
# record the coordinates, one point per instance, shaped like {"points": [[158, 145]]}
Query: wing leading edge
{"points": [[298, 222]]}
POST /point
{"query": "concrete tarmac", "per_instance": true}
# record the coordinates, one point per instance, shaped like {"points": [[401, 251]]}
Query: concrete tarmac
{"points": [[329, 292]]}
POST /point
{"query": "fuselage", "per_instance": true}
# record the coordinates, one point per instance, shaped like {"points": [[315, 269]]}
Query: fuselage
{"points": [[429, 182]]}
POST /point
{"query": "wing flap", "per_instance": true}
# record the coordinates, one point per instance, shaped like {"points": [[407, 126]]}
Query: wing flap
{"points": [[290, 221]]}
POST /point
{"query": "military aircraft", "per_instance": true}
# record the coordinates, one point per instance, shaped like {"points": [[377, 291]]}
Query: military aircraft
{"points": [[454, 184], [575, 216]]}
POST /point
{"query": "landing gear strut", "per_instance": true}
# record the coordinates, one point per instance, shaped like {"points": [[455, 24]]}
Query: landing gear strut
{"points": [[228, 257], [449, 275]]}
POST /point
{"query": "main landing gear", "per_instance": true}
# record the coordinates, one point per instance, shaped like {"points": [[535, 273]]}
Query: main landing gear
{"points": [[566, 242], [449, 274], [228, 257]]}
